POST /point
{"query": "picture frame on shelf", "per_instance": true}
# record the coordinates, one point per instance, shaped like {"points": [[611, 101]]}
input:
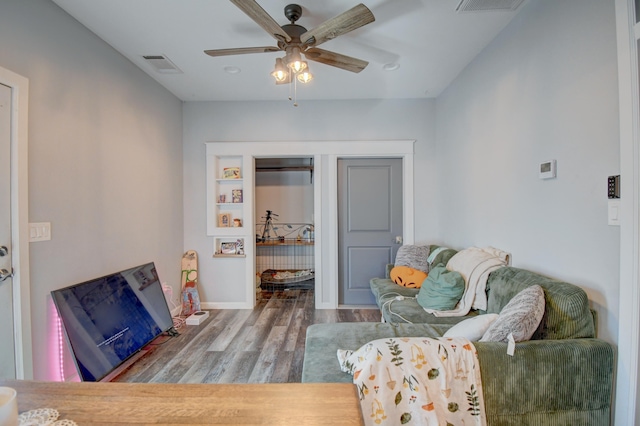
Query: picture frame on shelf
{"points": [[236, 195], [224, 220], [222, 198], [231, 173], [228, 248]]}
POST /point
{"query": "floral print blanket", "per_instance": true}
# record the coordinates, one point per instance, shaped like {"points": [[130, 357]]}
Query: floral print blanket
{"points": [[417, 381]]}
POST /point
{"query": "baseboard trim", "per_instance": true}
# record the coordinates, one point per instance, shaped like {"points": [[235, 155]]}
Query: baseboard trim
{"points": [[225, 305]]}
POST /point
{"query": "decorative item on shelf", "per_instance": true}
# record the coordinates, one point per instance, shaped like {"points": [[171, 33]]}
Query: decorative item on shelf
{"points": [[231, 173], [240, 246], [236, 195], [224, 220], [222, 199], [228, 248], [237, 223]]}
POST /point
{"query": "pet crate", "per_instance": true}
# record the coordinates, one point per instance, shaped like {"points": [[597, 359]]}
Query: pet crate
{"points": [[285, 256]]}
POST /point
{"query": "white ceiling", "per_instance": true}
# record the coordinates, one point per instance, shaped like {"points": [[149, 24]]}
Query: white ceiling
{"points": [[427, 38]]}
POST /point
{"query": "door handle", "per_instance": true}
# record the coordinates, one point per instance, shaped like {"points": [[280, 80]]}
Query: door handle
{"points": [[4, 274], [3, 251], [399, 239]]}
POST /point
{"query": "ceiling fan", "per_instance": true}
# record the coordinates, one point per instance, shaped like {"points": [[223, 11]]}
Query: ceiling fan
{"points": [[295, 40]]}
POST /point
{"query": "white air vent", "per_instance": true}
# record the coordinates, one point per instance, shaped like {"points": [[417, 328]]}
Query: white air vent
{"points": [[466, 6], [162, 64]]}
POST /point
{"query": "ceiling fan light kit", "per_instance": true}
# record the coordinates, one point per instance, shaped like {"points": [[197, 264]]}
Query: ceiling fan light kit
{"points": [[295, 41]]}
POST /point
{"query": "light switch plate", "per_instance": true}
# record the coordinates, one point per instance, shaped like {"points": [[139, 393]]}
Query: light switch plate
{"points": [[39, 231], [614, 212]]}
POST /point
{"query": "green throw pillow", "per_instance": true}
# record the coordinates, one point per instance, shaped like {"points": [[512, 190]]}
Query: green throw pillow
{"points": [[441, 290]]}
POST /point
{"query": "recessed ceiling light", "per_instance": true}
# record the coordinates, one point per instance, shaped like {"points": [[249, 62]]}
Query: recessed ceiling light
{"points": [[232, 70], [391, 66]]}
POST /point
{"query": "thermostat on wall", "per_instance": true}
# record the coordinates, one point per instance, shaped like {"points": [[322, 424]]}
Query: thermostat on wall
{"points": [[548, 169]]}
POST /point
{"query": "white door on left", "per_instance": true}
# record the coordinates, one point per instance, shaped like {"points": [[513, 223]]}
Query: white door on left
{"points": [[7, 329]]}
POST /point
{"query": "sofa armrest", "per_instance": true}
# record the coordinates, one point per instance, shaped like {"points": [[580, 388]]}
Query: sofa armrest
{"points": [[569, 380], [387, 270]]}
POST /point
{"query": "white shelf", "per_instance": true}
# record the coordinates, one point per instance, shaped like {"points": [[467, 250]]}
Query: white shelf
{"points": [[220, 194]]}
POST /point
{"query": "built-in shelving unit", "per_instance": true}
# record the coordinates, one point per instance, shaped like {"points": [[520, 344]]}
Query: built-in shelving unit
{"points": [[229, 177], [228, 193]]}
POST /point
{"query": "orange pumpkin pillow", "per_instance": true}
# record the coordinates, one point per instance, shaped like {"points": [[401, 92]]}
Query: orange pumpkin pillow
{"points": [[407, 277]]}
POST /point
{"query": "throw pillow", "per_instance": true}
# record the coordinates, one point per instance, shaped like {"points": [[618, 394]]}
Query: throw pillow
{"points": [[407, 277], [441, 290], [472, 328], [521, 316], [414, 257]]}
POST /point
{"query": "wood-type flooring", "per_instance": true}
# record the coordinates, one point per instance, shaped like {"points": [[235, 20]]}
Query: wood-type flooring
{"points": [[263, 345]]}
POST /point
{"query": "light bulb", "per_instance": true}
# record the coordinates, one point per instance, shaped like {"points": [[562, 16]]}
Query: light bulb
{"points": [[305, 76], [294, 60], [280, 72]]}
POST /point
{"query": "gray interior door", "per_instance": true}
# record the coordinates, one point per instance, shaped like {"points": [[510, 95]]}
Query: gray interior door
{"points": [[7, 349], [369, 220]]}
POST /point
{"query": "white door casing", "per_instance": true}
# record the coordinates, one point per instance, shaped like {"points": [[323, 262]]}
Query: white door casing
{"points": [[18, 135], [7, 349], [326, 154]]}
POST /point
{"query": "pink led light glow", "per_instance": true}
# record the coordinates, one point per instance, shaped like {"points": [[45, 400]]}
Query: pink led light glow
{"points": [[60, 348]]}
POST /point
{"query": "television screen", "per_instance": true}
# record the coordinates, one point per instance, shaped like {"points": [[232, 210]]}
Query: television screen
{"points": [[108, 319]]}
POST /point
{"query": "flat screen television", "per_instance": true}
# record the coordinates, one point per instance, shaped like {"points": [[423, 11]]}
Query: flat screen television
{"points": [[107, 320]]}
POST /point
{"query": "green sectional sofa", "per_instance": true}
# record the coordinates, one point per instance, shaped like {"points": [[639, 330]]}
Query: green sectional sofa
{"points": [[562, 376]]}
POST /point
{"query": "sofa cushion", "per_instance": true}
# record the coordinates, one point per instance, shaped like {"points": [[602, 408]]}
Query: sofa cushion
{"points": [[520, 317], [567, 314], [406, 310], [414, 257], [384, 288], [441, 290], [323, 340], [472, 328]]}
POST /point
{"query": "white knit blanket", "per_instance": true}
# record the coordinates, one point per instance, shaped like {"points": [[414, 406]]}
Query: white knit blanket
{"points": [[474, 264], [417, 381]]}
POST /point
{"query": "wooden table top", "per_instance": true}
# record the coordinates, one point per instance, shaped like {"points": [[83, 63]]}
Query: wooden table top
{"points": [[193, 404]]}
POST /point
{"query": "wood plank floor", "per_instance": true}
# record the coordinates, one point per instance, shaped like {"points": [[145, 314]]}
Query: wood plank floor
{"points": [[263, 345]]}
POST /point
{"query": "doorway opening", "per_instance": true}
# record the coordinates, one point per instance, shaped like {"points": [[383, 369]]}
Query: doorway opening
{"points": [[285, 229]]}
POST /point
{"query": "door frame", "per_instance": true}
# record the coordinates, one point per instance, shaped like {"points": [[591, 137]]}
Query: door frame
{"points": [[327, 291], [325, 199], [406, 219], [20, 220]]}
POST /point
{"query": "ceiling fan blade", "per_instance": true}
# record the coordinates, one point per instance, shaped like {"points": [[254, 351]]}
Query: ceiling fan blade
{"points": [[241, 50], [335, 59], [350, 20], [262, 18]]}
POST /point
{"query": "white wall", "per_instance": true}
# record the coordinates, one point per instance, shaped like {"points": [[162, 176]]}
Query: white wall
{"points": [[105, 160], [287, 193], [310, 121], [545, 88]]}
